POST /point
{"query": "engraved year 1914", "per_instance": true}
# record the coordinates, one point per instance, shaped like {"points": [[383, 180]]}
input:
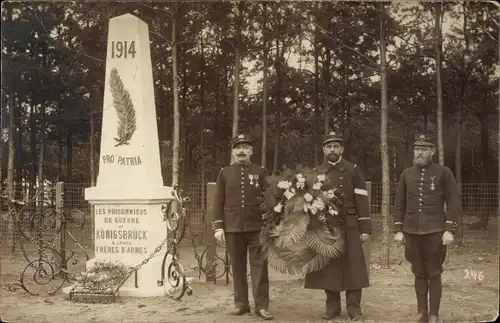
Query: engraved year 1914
{"points": [[473, 274], [123, 49]]}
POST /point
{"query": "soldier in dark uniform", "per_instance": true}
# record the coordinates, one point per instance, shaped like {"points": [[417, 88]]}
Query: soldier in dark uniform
{"points": [[347, 273], [424, 226], [238, 221]]}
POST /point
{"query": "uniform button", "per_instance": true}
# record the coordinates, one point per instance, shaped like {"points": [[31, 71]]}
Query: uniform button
{"points": [[421, 188], [420, 199], [421, 194], [421, 178], [419, 210]]}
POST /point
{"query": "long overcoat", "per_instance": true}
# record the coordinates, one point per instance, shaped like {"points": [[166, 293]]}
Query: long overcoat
{"points": [[347, 272]]}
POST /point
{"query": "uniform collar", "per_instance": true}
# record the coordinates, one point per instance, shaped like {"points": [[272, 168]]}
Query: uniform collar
{"points": [[418, 167], [339, 165], [245, 164]]}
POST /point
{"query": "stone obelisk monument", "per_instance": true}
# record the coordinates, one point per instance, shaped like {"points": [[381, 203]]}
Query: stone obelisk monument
{"points": [[129, 191]]}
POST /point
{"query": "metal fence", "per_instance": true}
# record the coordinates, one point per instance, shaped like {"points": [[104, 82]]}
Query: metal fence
{"points": [[478, 222]]}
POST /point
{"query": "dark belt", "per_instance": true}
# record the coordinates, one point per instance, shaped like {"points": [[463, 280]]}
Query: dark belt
{"points": [[350, 211]]}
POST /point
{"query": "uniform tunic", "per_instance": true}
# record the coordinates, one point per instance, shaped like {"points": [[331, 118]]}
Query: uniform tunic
{"points": [[420, 198], [238, 198], [347, 272]]}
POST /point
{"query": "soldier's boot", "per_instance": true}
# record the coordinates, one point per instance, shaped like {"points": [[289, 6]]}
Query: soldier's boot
{"points": [[332, 305], [435, 292], [421, 290]]}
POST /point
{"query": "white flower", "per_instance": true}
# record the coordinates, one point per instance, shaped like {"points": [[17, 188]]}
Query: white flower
{"points": [[317, 186], [321, 178], [278, 208], [300, 178], [300, 184], [288, 194], [292, 190], [284, 185], [319, 204], [322, 217], [329, 194], [308, 197], [313, 209], [305, 207], [333, 211]]}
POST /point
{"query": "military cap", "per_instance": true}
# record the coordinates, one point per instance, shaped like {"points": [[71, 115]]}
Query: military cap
{"points": [[332, 136], [241, 138], [423, 141]]}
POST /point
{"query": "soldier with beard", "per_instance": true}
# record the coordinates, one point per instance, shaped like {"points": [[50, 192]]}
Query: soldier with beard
{"points": [[238, 221], [347, 273], [423, 225]]}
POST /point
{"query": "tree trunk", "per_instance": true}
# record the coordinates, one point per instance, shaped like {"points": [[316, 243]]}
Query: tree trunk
{"points": [[458, 148], [236, 82], [439, 86], [264, 89], [316, 99], [277, 121], [41, 157], [216, 123], [175, 147], [386, 185], [69, 157], [33, 171], [11, 242], [92, 146], [326, 91], [19, 156], [202, 123], [184, 131], [60, 154]]}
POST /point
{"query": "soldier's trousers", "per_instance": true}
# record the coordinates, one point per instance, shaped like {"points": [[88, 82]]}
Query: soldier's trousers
{"points": [[238, 244], [426, 254], [352, 300]]}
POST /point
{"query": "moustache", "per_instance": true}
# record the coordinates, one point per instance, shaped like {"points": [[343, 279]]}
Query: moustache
{"points": [[241, 155]]}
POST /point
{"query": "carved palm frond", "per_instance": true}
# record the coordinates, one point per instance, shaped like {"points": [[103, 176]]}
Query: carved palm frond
{"points": [[124, 109]]}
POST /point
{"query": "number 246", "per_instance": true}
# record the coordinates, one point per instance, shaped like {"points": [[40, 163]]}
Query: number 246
{"points": [[472, 274]]}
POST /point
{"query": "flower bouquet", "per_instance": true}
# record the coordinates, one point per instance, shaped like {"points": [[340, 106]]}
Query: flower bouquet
{"points": [[102, 275], [303, 226]]}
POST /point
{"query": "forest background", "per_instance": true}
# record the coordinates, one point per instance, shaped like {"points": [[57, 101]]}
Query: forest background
{"points": [[285, 72]]}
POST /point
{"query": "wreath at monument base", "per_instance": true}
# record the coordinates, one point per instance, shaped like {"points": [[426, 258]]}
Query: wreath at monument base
{"points": [[101, 276], [303, 226]]}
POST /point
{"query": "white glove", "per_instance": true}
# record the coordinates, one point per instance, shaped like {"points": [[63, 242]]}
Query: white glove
{"points": [[364, 237], [399, 237], [219, 235], [447, 238]]}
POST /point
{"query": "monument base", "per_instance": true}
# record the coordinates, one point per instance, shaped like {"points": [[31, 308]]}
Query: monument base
{"points": [[162, 291], [152, 289]]}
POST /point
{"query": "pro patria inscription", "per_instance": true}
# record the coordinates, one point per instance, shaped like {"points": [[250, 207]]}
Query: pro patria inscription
{"points": [[122, 160]]}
